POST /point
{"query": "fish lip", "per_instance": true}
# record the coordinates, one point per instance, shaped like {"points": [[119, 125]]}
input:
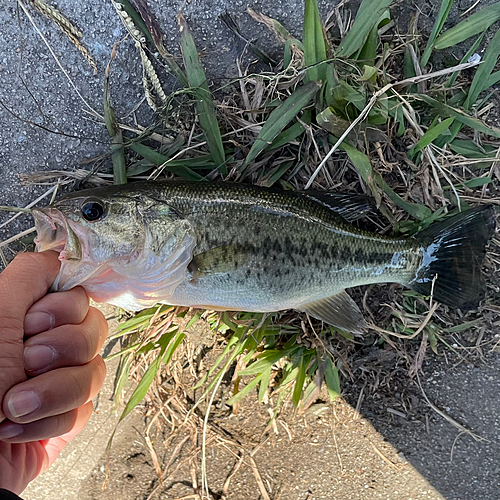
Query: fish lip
{"points": [[48, 223], [54, 232]]}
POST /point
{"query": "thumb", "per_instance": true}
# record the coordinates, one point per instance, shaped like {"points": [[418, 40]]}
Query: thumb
{"points": [[26, 280]]}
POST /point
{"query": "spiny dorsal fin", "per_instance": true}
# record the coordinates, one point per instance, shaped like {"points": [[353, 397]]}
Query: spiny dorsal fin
{"points": [[350, 207], [338, 310]]}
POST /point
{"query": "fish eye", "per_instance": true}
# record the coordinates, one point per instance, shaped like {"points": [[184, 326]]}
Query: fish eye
{"points": [[92, 210]]}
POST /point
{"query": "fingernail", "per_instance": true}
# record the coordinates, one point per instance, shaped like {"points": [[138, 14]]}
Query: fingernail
{"points": [[38, 357], [22, 403], [10, 430], [37, 322]]}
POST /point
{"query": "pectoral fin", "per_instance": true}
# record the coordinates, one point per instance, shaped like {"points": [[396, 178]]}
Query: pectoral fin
{"points": [[338, 310], [223, 259]]}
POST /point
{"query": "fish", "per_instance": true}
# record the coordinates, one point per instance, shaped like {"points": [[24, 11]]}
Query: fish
{"points": [[230, 246]]}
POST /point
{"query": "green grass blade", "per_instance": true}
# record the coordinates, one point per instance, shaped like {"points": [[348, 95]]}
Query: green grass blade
{"points": [[368, 52], [139, 320], [299, 380], [477, 182], [121, 378], [443, 13], [480, 81], [159, 159], [395, 110], [379, 113], [309, 392], [430, 135], [291, 133], [469, 149], [287, 136], [203, 162], [471, 26], [172, 346], [289, 376], [281, 117], [345, 93], [464, 326], [247, 389], [147, 379], [143, 386], [276, 173], [367, 17], [453, 78], [332, 379], [408, 65], [363, 165], [234, 348], [205, 105], [459, 115], [493, 79], [314, 42], [266, 360], [264, 384]]}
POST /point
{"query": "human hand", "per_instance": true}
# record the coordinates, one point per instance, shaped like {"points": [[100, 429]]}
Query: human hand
{"points": [[49, 367]]}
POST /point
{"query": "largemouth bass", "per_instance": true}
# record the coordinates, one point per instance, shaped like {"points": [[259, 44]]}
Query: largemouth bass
{"points": [[243, 248]]}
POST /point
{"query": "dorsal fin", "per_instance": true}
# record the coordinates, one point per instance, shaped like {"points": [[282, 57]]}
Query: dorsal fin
{"points": [[350, 207]]}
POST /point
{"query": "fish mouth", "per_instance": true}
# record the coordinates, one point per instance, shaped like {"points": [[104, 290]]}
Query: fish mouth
{"points": [[51, 230], [55, 232]]}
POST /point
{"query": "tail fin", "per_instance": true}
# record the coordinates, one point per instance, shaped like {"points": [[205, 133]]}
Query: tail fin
{"points": [[454, 251]]}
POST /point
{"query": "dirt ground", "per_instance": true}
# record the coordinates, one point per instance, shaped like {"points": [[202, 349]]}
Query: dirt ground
{"points": [[393, 446], [390, 449]]}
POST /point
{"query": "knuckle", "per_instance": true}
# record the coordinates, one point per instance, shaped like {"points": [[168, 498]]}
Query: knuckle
{"points": [[87, 334], [65, 422], [28, 260], [100, 322], [81, 301], [80, 388], [25, 258], [101, 367]]}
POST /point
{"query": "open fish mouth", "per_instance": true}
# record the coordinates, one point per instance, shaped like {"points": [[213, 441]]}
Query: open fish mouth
{"points": [[54, 232], [51, 230]]}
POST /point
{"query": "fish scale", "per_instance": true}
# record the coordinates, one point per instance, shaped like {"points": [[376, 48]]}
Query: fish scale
{"points": [[292, 250]]}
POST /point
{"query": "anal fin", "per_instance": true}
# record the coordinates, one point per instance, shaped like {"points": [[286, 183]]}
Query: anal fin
{"points": [[338, 310]]}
